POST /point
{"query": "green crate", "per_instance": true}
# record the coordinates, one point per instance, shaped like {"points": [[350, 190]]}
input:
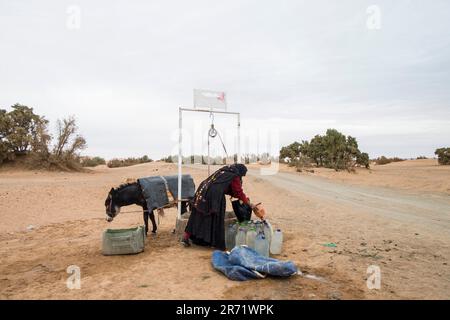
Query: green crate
{"points": [[123, 241]]}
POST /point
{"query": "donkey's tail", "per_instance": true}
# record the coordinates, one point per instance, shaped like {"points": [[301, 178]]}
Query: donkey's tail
{"points": [[160, 212]]}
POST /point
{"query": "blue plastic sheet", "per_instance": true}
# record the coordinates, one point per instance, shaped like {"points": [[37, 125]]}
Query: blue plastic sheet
{"points": [[244, 263]]}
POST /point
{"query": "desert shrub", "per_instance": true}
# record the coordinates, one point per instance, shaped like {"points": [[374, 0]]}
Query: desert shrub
{"points": [[68, 144], [332, 150], [92, 161], [421, 158], [383, 160], [443, 156], [301, 162], [24, 133], [362, 159], [167, 159], [18, 129], [290, 153], [116, 163]]}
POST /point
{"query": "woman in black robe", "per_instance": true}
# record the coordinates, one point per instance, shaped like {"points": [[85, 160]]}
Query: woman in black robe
{"points": [[206, 224]]}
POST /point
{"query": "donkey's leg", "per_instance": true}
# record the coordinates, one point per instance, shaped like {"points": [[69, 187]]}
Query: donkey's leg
{"points": [[152, 218], [146, 220], [183, 207]]}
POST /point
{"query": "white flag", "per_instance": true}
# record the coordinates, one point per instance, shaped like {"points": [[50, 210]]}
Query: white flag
{"points": [[207, 99]]}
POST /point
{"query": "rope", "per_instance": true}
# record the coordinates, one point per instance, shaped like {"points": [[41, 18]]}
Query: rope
{"points": [[223, 145]]}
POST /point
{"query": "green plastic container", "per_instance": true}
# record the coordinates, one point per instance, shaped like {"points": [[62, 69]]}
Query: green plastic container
{"points": [[123, 241]]}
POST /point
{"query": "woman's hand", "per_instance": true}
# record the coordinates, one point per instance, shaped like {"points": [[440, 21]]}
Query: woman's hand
{"points": [[259, 211]]}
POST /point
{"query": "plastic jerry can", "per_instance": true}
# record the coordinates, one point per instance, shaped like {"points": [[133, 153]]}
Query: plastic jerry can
{"points": [[251, 237], [230, 236], [268, 231], [240, 237], [123, 241], [262, 245], [277, 242]]}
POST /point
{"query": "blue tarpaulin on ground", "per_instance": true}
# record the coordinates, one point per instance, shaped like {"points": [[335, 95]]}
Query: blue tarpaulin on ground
{"points": [[244, 263]]}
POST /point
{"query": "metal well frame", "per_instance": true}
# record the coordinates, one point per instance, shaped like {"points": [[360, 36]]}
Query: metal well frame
{"points": [[180, 140]]}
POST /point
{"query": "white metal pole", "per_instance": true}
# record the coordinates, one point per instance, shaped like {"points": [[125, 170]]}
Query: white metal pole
{"points": [[208, 158], [180, 161], [209, 153], [239, 138]]}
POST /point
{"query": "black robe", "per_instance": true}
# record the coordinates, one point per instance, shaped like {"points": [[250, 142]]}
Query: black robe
{"points": [[206, 224]]}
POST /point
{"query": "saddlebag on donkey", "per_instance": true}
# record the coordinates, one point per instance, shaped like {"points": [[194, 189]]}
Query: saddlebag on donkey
{"points": [[123, 241]]}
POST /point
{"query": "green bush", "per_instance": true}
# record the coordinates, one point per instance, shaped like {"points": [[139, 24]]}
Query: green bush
{"points": [[363, 159], [383, 160], [332, 150], [443, 155], [168, 159], [116, 163], [92, 162]]}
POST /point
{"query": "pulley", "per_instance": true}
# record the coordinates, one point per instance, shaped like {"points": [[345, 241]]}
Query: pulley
{"points": [[212, 131]]}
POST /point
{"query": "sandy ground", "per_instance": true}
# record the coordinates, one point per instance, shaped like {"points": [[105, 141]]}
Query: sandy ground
{"points": [[396, 217], [424, 175]]}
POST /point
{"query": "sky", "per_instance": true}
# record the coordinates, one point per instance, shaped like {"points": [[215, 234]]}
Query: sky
{"points": [[375, 70]]}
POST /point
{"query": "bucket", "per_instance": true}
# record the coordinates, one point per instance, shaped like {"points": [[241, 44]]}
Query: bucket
{"points": [[123, 241]]}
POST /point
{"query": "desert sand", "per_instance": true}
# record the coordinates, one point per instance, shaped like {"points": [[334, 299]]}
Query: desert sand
{"points": [[424, 175], [395, 216]]}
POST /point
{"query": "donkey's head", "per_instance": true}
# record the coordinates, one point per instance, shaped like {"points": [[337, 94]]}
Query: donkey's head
{"points": [[112, 205]]}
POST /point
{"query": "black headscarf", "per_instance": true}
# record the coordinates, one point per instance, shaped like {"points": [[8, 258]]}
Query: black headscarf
{"points": [[241, 169], [211, 192]]}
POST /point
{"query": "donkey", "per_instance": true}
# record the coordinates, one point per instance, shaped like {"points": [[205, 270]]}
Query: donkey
{"points": [[128, 194]]}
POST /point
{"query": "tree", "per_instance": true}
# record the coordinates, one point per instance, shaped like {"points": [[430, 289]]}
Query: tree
{"points": [[443, 156], [291, 152], [18, 129], [333, 150], [23, 126], [22, 132], [4, 147], [68, 143], [315, 149], [40, 152], [363, 159], [335, 146]]}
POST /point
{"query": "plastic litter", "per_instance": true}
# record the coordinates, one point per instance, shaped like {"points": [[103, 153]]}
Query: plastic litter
{"points": [[330, 245]]}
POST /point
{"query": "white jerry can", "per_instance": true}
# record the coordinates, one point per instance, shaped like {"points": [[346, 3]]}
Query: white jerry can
{"points": [[277, 242]]}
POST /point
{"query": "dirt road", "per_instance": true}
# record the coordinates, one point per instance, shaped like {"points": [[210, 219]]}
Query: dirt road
{"points": [[406, 233], [430, 211]]}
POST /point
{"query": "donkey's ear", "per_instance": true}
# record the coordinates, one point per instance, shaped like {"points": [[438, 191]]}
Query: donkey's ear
{"points": [[111, 191]]}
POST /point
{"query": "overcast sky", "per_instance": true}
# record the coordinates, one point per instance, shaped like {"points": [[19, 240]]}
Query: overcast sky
{"points": [[297, 66]]}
